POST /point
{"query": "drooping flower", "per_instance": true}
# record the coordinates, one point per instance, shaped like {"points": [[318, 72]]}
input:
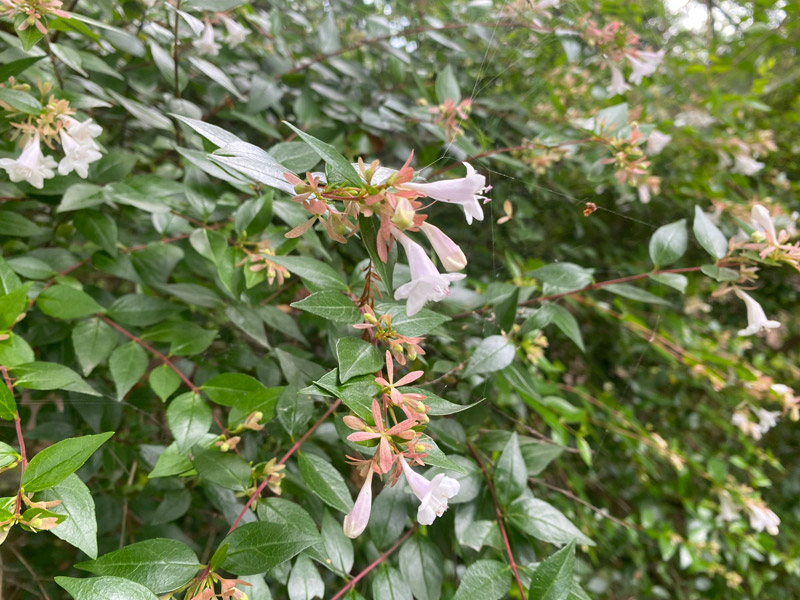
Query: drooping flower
{"points": [[762, 518], [426, 284], [447, 250], [644, 64], [206, 43], [237, 33], [746, 164], [763, 221], [465, 191], [618, 84], [77, 156], [355, 522], [384, 456], [433, 494], [756, 318], [31, 166], [728, 509], [82, 132], [767, 419], [657, 141]]}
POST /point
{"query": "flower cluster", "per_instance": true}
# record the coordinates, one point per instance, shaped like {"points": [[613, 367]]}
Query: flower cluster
{"points": [[762, 518], [450, 115], [236, 34], [397, 447], [380, 329], [205, 590], [740, 155], [394, 199], [35, 12]]}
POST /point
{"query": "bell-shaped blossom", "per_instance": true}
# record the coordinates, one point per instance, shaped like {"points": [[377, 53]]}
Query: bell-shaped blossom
{"points": [[426, 284], [644, 64], [77, 157], [206, 43], [355, 522], [31, 166], [767, 419], [746, 164], [762, 518], [82, 132], [728, 509], [465, 191], [433, 494], [644, 193], [447, 250], [237, 32], [618, 84], [756, 318], [657, 141], [763, 221]]}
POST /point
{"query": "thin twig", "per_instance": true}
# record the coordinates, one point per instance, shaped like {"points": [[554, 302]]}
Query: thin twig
{"points": [[499, 515], [30, 570], [588, 505], [53, 61]]}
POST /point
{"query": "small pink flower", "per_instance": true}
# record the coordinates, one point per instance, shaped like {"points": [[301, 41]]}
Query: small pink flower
{"points": [[756, 318], [433, 494], [355, 522], [447, 250], [465, 191], [617, 85]]}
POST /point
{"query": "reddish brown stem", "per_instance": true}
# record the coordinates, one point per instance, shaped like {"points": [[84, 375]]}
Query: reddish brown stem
{"points": [[20, 441], [374, 564], [499, 515], [286, 456]]}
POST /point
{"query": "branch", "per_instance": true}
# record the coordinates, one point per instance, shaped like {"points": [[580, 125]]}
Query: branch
{"points": [[499, 515], [20, 441], [374, 564]]}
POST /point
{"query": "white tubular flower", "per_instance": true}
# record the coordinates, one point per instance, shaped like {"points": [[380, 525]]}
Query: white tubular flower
{"points": [[644, 193], [746, 165], [206, 43], [644, 64], [237, 32], [77, 157], [763, 221], [767, 419], [756, 318], [447, 250], [617, 85], [82, 132], [762, 518], [426, 284], [657, 141], [464, 191], [432, 493], [31, 166], [355, 522], [728, 509]]}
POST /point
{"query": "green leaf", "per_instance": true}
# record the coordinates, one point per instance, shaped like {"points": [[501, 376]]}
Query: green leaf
{"points": [[368, 227], [298, 157], [356, 357], [164, 381], [484, 579], [93, 341], [225, 469], [8, 406], [721, 274], [53, 464], [339, 168], [105, 588], [12, 305], [544, 522], [419, 324], [312, 271], [388, 583], [189, 419], [325, 481], [332, 306], [305, 582], [634, 293], [564, 320], [216, 75], [438, 406], [511, 474], [15, 67], [244, 393], [140, 310], [50, 376], [16, 225], [161, 565], [563, 277], [293, 516], [21, 101], [29, 36], [421, 565], [447, 86], [66, 302], [214, 134], [171, 462], [128, 364], [252, 161], [257, 547], [538, 456], [77, 505], [673, 280], [709, 235], [552, 579], [668, 243], [492, 354], [338, 547], [97, 227]]}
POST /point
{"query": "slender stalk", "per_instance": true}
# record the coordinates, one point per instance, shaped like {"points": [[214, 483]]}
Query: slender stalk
{"points": [[176, 68], [20, 441], [53, 61], [499, 515], [374, 564]]}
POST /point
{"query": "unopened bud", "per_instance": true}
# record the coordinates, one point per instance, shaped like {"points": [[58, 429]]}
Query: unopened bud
{"points": [[404, 213]]}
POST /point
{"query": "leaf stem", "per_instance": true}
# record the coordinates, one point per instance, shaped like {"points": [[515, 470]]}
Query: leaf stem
{"points": [[20, 441]]}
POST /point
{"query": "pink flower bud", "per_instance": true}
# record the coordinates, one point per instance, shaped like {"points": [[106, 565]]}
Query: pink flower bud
{"points": [[447, 250], [355, 522]]}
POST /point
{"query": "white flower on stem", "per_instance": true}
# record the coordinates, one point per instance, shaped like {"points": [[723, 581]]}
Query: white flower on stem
{"points": [[728, 509], [746, 164], [237, 32], [644, 64], [742, 421], [756, 318], [206, 43], [762, 518], [657, 141], [426, 284], [617, 85], [77, 157], [447, 250], [433, 493], [31, 166], [767, 419], [82, 132], [355, 522], [644, 193], [465, 191], [763, 221]]}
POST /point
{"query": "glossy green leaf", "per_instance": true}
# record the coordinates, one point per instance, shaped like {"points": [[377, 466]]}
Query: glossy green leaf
{"points": [[55, 463]]}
